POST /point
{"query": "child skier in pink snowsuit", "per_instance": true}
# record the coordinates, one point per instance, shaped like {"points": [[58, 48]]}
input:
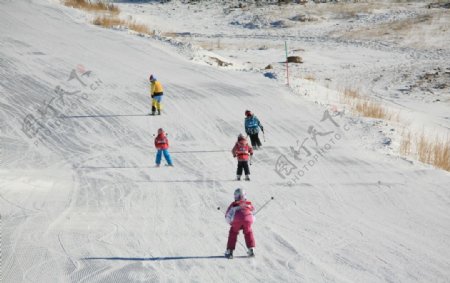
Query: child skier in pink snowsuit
{"points": [[240, 216]]}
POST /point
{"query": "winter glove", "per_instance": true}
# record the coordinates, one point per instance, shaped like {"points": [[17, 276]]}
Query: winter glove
{"points": [[262, 129], [234, 155]]}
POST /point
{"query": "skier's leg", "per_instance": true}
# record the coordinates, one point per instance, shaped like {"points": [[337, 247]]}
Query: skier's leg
{"points": [[252, 140], [153, 106], [232, 235], [246, 168], [158, 104], [239, 168], [158, 157], [167, 157], [257, 140], [248, 234]]}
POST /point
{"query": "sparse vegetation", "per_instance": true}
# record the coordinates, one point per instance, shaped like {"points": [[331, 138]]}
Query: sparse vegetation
{"points": [[350, 95], [371, 109], [114, 21], [435, 152], [441, 154], [92, 6], [310, 77], [364, 106], [108, 21], [405, 144]]}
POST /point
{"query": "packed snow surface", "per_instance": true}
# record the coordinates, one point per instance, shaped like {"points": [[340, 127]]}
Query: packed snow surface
{"points": [[81, 200]]}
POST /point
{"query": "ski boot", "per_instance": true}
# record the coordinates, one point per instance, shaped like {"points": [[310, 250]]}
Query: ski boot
{"points": [[238, 177], [251, 252], [229, 254], [159, 112], [247, 178]]}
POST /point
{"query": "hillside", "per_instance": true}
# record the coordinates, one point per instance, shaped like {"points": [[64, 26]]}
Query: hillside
{"points": [[81, 200]]}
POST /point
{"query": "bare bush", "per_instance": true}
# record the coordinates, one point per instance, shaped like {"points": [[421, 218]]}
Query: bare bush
{"points": [[95, 7], [114, 21]]}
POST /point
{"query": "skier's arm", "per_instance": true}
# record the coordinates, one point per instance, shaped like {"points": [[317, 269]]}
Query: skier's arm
{"points": [[259, 124], [229, 215], [250, 206], [233, 151]]}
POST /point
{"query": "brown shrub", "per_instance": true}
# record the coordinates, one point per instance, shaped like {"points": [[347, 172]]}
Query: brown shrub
{"points": [[405, 144], [111, 21], [371, 109], [96, 6]]}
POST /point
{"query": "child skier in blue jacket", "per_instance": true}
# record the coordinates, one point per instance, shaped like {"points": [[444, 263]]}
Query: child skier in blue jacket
{"points": [[252, 126]]}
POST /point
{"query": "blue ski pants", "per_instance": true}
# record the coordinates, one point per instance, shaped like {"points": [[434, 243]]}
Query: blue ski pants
{"points": [[166, 156]]}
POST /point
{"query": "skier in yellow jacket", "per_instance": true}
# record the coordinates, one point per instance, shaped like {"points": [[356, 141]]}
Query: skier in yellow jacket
{"points": [[156, 92]]}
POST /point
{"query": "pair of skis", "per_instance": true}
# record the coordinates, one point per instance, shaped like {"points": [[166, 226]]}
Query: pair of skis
{"points": [[229, 254]]}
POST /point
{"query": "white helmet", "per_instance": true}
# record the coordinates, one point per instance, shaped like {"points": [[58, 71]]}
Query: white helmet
{"points": [[239, 194]]}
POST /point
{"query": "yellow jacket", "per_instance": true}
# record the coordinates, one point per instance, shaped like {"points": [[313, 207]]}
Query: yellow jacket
{"points": [[155, 87]]}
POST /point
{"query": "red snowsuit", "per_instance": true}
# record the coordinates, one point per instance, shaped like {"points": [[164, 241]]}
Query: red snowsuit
{"points": [[242, 150], [161, 141], [240, 216]]}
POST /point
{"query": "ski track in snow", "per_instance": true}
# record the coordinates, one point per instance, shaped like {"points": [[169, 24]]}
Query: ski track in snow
{"points": [[86, 204]]}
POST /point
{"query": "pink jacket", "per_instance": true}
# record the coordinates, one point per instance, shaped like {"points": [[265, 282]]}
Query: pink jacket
{"points": [[242, 150], [240, 210], [161, 142]]}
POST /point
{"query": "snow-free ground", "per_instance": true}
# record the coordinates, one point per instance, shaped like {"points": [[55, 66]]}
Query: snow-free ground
{"points": [[81, 200]]}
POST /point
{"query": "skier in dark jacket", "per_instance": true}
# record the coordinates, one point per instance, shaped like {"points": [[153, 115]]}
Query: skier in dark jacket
{"points": [[252, 126]]}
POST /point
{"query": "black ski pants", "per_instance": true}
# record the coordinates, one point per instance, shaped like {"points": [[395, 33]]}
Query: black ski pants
{"points": [[254, 138], [243, 165]]}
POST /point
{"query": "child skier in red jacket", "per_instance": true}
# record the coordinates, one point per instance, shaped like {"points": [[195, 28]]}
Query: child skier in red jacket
{"points": [[240, 216], [162, 145], [242, 150]]}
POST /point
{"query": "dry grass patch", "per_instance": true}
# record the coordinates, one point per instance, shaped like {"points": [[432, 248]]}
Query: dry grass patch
{"points": [[372, 109], [310, 77], [344, 10], [94, 7], [170, 34], [431, 151], [350, 95], [140, 28], [364, 106], [435, 152], [114, 21], [420, 31], [108, 22], [441, 154], [405, 144]]}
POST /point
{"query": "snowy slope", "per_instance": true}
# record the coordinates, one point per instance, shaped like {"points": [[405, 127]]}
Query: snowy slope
{"points": [[81, 201]]}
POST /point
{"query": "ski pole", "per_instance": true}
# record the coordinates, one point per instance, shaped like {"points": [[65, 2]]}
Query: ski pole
{"points": [[266, 203], [264, 136]]}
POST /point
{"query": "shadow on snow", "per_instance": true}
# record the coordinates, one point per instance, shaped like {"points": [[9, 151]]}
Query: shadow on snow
{"points": [[103, 116], [159, 258]]}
